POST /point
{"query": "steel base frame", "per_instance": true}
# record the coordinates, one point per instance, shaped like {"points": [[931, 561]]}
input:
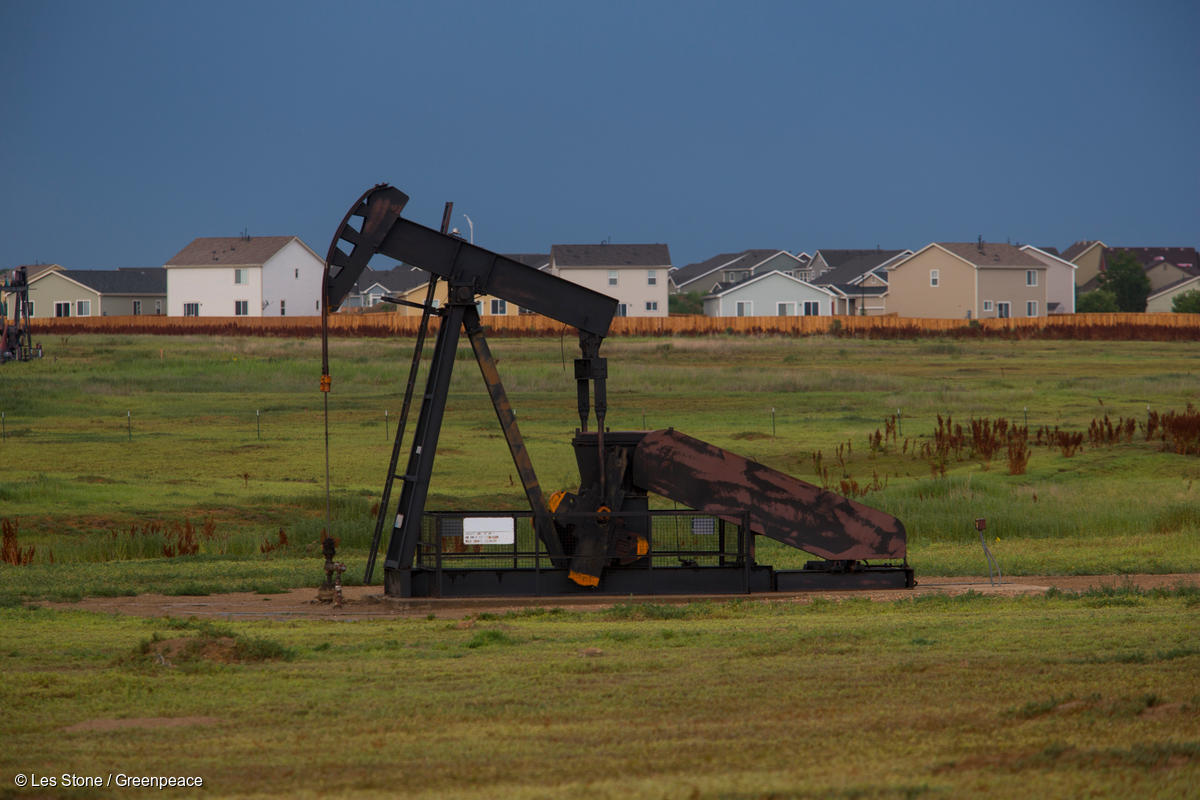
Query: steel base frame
{"points": [[717, 580]]}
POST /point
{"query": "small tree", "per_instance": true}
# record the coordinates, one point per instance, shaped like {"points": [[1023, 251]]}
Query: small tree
{"points": [[1187, 303], [1127, 281], [1099, 301], [689, 303]]}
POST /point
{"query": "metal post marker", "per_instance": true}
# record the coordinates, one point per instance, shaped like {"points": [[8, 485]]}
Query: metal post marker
{"points": [[258, 423], [386, 435], [129, 423], [3, 429], [772, 422], [981, 526]]}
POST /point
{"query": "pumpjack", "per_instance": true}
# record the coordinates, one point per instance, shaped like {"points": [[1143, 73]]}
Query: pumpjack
{"points": [[15, 341], [604, 537]]}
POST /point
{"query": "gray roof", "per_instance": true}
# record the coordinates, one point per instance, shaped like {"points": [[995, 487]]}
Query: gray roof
{"points": [[568, 256], [400, 278], [140, 281], [837, 258], [744, 259], [853, 267], [229, 251]]}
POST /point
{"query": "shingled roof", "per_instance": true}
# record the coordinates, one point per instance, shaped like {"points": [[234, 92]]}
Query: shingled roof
{"points": [[991, 254], [140, 281], [1186, 258], [582, 256], [745, 259], [854, 264], [230, 251]]}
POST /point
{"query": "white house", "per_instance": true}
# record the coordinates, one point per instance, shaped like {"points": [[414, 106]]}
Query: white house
{"points": [[772, 294], [637, 275], [245, 276]]}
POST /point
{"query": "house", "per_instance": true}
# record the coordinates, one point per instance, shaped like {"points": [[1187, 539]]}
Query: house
{"points": [[1060, 279], [374, 284], [860, 280], [1164, 266], [410, 284], [771, 294], [1086, 256], [967, 280], [637, 275], [729, 268], [1163, 299], [58, 292], [824, 261], [243, 276]]}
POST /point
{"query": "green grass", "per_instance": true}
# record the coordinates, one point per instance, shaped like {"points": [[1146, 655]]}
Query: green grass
{"points": [[112, 434], [1076, 694]]}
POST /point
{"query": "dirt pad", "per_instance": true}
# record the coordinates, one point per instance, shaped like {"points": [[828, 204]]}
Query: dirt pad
{"points": [[368, 602]]}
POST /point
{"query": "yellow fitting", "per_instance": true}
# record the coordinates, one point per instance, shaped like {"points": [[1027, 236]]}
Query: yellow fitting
{"points": [[643, 546], [556, 500], [326, 382], [584, 580]]}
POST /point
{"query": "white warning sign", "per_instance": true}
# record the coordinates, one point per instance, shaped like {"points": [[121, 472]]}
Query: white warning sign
{"points": [[488, 530]]}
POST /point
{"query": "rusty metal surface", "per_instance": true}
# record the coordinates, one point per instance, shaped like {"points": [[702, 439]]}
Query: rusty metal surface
{"points": [[709, 479], [512, 433]]}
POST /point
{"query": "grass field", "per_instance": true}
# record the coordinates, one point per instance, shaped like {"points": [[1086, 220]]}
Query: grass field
{"points": [[112, 447], [1092, 695]]}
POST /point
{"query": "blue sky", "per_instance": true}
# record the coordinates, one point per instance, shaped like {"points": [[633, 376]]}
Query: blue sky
{"points": [[130, 128]]}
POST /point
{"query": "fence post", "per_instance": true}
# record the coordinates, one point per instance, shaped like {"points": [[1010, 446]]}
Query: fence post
{"points": [[129, 423]]}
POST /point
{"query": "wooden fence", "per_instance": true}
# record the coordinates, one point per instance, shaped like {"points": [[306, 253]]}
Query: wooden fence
{"points": [[1164, 326]]}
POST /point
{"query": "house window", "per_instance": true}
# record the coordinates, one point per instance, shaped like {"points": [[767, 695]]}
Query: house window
{"points": [[612, 277], [1003, 310], [745, 308], [987, 305], [191, 309], [241, 308], [652, 305], [1031, 279], [651, 277], [241, 276], [622, 310], [812, 308], [499, 307], [934, 277], [297, 273], [283, 308], [1031, 308], [62, 309], [158, 306], [785, 309], [83, 308], [29, 307], [137, 308]]}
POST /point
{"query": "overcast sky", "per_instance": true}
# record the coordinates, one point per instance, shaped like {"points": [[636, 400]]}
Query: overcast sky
{"points": [[129, 128]]}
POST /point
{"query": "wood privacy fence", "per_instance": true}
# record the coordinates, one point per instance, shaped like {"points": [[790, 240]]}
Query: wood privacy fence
{"points": [[1164, 326]]}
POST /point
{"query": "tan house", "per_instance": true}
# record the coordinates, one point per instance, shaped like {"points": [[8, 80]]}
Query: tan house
{"points": [[637, 275], [967, 280], [1164, 299], [1060, 280], [1087, 256], [59, 292]]}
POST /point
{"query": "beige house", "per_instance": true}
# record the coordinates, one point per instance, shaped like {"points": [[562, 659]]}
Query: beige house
{"points": [[967, 280], [59, 292], [1164, 299], [1060, 280], [1087, 256], [637, 275]]}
